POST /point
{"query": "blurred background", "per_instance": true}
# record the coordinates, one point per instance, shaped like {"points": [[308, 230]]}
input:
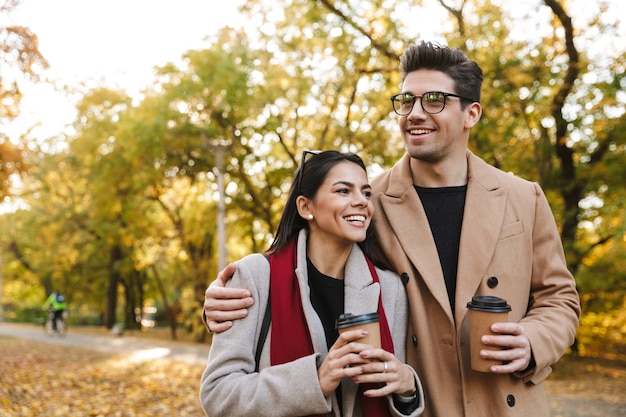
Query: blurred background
{"points": [[144, 144]]}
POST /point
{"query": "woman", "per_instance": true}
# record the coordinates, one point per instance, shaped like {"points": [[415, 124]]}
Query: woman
{"points": [[315, 270]]}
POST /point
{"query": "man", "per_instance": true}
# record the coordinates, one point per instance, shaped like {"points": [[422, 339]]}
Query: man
{"points": [[55, 302], [453, 227]]}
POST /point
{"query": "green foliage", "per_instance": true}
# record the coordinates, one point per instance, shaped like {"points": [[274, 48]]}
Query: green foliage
{"points": [[602, 330]]}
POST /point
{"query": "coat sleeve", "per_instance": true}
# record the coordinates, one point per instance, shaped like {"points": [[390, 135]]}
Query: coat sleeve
{"points": [[229, 384], [554, 306]]}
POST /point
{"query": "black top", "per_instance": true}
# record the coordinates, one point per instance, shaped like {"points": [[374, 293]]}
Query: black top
{"points": [[444, 208], [327, 298]]}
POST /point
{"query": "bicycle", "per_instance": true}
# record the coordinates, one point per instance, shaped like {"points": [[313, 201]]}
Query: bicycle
{"points": [[61, 326]]}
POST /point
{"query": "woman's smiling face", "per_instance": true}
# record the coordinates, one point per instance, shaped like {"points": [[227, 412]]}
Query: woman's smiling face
{"points": [[341, 209]]}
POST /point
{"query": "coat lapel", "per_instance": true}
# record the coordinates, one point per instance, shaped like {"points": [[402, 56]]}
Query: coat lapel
{"points": [[361, 297], [485, 200], [361, 293], [405, 213], [316, 329]]}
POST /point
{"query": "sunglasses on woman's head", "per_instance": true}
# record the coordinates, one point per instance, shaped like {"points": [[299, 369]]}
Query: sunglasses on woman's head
{"points": [[305, 153]]}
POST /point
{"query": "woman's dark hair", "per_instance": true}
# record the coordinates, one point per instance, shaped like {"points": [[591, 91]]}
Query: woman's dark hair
{"points": [[307, 180], [466, 74]]}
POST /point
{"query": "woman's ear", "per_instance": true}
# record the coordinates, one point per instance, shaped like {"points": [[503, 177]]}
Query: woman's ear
{"points": [[304, 207]]}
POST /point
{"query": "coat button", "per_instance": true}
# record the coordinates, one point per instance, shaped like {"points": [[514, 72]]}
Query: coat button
{"points": [[404, 277], [414, 339], [492, 282], [510, 400]]}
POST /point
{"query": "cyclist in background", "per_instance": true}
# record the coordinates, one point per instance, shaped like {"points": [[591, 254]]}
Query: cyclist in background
{"points": [[56, 303]]}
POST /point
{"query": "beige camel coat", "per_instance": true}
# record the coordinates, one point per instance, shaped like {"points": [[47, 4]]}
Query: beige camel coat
{"points": [[510, 247]]}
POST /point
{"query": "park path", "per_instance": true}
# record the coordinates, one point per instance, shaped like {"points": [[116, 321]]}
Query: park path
{"points": [[139, 348]]}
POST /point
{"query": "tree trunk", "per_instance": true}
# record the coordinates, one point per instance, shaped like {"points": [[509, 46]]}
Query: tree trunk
{"points": [[169, 311], [114, 279], [571, 187]]}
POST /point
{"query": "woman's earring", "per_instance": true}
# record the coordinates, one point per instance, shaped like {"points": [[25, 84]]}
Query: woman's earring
{"points": [[310, 217]]}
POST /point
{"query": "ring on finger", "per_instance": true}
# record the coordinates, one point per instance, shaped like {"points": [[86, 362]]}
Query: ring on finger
{"points": [[385, 367]]}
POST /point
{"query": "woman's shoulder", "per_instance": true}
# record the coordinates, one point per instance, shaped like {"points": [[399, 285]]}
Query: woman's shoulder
{"points": [[252, 271], [254, 260]]}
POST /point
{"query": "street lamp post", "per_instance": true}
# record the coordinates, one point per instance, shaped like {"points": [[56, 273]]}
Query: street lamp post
{"points": [[220, 148]]}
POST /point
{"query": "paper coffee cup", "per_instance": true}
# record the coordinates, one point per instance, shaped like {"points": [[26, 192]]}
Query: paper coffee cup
{"points": [[367, 322], [483, 311]]}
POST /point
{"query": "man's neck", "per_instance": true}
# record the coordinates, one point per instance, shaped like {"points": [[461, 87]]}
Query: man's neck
{"points": [[446, 173]]}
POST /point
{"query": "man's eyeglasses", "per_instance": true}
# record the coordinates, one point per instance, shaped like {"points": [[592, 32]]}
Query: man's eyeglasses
{"points": [[305, 153], [432, 102]]}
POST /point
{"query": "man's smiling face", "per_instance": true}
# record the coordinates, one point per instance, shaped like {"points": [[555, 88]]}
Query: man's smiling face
{"points": [[432, 137]]}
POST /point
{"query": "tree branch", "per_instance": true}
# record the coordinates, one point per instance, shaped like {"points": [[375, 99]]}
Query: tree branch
{"points": [[377, 45]]}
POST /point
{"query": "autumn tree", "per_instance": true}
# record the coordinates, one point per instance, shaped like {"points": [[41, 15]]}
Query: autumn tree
{"points": [[135, 193], [552, 112], [20, 59]]}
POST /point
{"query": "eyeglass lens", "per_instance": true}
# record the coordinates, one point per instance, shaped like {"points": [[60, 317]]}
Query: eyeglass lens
{"points": [[432, 102]]}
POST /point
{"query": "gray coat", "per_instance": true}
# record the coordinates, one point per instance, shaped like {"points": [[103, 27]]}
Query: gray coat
{"points": [[229, 385]]}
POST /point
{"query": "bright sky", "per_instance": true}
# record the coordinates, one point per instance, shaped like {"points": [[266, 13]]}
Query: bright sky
{"points": [[117, 40]]}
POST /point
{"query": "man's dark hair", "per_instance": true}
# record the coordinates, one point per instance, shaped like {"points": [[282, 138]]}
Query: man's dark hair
{"points": [[466, 74]]}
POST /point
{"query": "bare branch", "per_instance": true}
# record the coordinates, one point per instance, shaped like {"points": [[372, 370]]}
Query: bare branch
{"points": [[377, 45], [457, 14]]}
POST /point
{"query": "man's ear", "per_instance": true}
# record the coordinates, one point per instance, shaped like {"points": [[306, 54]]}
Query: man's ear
{"points": [[474, 111]]}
